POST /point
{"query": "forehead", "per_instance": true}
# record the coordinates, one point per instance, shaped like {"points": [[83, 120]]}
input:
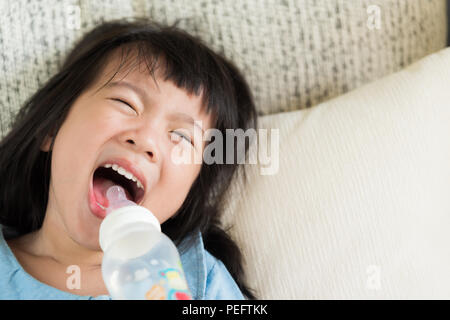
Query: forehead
{"points": [[148, 79]]}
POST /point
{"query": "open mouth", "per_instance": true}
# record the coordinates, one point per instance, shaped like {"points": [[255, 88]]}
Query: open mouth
{"points": [[104, 178]]}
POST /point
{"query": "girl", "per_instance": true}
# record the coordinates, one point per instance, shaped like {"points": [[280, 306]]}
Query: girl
{"points": [[129, 94]]}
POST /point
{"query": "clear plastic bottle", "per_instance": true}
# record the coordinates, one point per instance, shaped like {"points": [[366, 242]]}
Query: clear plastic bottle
{"points": [[139, 261]]}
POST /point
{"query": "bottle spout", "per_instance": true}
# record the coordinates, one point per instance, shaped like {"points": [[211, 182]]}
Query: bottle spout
{"points": [[117, 199]]}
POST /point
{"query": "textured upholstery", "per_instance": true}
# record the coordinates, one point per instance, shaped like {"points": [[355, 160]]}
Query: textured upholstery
{"points": [[294, 53]]}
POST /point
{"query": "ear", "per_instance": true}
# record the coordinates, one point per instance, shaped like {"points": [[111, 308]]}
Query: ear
{"points": [[46, 144]]}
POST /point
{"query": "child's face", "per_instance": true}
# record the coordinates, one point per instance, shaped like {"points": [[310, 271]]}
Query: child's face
{"points": [[98, 129]]}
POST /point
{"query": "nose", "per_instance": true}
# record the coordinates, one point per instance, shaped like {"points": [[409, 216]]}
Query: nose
{"points": [[144, 144]]}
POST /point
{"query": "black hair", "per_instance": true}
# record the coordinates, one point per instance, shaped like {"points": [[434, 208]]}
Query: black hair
{"points": [[190, 65]]}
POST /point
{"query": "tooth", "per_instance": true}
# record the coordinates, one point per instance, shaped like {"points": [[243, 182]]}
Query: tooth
{"points": [[108, 165], [139, 184], [125, 173], [128, 175]]}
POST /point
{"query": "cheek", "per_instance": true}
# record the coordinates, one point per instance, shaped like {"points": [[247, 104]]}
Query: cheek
{"points": [[184, 161], [180, 178], [76, 145], [94, 114], [79, 133], [85, 130], [174, 185]]}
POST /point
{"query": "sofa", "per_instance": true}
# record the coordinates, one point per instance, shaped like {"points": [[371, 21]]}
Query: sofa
{"points": [[353, 93]]}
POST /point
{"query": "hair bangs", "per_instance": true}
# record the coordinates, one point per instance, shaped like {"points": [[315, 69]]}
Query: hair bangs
{"points": [[197, 74]]}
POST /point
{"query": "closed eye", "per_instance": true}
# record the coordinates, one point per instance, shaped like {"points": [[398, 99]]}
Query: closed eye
{"points": [[124, 102], [183, 136]]}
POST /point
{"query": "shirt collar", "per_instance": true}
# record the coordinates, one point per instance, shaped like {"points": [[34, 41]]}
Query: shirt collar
{"points": [[193, 260]]}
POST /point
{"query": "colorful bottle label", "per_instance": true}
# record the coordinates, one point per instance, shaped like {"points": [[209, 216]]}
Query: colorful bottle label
{"points": [[172, 286]]}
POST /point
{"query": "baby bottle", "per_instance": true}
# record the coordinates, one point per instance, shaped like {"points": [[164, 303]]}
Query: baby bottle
{"points": [[139, 261]]}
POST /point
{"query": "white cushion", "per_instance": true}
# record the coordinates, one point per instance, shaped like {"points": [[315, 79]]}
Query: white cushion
{"points": [[360, 206]]}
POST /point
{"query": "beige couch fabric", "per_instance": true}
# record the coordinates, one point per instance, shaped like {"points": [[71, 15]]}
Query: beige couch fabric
{"points": [[360, 206], [294, 53]]}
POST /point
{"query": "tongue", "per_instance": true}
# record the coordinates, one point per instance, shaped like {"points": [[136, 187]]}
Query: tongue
{"points": [[100, 186]]}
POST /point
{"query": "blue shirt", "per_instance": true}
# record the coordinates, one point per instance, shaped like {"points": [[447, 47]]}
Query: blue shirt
{"points": [[207, 277]]}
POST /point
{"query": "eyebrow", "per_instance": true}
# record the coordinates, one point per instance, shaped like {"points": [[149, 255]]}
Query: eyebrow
{"points": [[144, 96]]}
